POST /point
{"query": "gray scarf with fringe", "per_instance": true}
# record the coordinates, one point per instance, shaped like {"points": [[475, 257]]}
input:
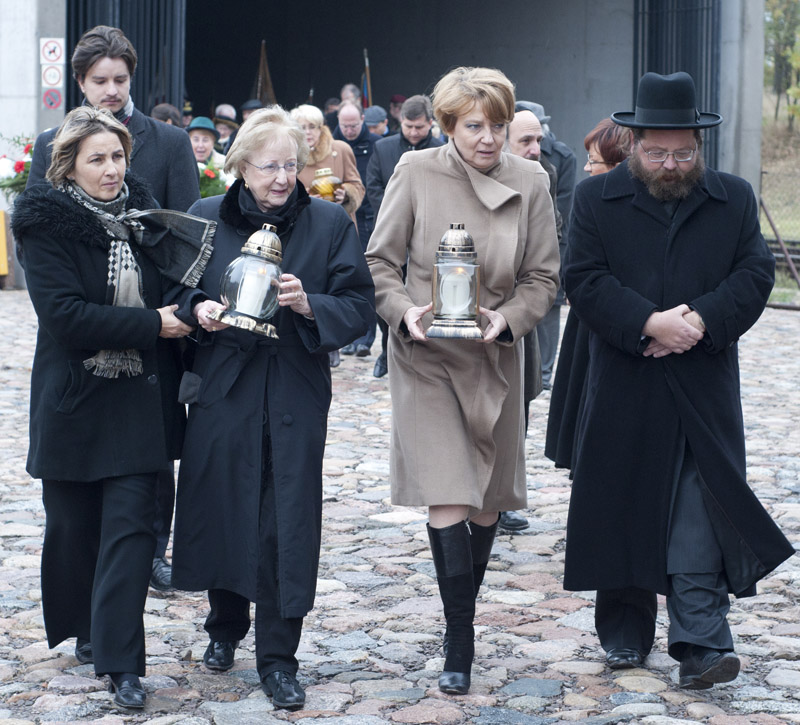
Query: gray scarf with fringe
{"points": [[179, 245]]}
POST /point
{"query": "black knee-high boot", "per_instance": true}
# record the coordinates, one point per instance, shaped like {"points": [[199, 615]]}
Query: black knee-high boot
{"points": [[452, 557], [481, 542]]}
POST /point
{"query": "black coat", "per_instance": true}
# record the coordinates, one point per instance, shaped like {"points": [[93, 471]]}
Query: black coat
{"points": [[627, 259], [161, 155], [564, 162], [247, 380], [385, 155], [84, 427], [363, 146]]}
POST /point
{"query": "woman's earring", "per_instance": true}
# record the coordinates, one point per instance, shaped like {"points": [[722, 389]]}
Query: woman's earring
{"points": [[245, 185]]}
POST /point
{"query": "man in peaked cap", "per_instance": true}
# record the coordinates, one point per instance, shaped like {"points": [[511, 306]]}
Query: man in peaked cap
{"points": [[668, 268]]}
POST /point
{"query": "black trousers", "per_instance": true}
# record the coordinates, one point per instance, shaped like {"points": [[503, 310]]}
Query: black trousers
{"points": [[277, 638], [165, 506], [96, 562], [697, 601]]}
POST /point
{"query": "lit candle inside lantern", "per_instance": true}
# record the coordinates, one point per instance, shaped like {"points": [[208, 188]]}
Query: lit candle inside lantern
{"points": [[454, 291], [252, 290]]}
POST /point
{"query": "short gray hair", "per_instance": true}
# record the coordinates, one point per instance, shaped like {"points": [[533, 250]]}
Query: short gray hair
{"points": [[263, 127]]}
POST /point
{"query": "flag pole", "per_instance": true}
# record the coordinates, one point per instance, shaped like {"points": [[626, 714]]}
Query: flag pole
{"points": [[368, 79]]}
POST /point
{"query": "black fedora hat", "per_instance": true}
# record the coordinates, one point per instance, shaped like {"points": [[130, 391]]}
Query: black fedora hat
{"points": [[666, 102]]}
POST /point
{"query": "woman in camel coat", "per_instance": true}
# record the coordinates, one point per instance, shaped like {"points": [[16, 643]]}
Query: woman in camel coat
{"points": [[328, 153], [457, 426]]}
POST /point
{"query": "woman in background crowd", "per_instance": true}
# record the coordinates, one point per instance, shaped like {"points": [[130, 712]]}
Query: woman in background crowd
{"points": [[607, 145]]}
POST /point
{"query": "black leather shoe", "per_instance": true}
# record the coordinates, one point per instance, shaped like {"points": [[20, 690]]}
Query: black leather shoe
{"points": [[381, 366], [334, 359], [362, 351], [127, 689], [512, 521], [285, 690], [623, 658], [703, 667], [454, 683], [83, 651], [219, 655], [349, 349], [161, 578]]}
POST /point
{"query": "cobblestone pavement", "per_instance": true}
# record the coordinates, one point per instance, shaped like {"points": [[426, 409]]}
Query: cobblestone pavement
{"points": [[371, 647]]}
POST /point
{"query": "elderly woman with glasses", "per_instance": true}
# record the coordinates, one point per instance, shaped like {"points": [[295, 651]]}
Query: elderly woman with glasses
{"points": [[248, 516]]}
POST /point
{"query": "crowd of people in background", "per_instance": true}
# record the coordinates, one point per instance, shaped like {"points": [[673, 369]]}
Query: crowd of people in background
{"points": [[124, 232]]}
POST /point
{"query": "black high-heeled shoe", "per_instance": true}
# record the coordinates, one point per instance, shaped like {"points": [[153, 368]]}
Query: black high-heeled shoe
{"points": [[127, 689]]}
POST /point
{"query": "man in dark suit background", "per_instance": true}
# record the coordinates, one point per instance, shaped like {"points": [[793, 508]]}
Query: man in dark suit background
{"points": [[103, 64]]}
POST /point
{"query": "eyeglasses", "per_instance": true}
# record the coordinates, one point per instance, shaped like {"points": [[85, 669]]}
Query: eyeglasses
{"points": [[592, 162], [310, 127], [271, 169], [350, 126], [659, 156]]}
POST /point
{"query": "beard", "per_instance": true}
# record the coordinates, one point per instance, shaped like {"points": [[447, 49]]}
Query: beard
{"points": [[667, 184]]}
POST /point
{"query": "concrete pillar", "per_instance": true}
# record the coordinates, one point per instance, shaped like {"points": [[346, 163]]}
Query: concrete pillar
{"points": [[741, 88], [21, 106]]}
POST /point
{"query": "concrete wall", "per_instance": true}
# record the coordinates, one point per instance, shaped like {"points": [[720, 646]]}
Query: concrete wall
{"points": [[573, 57], [23, 23], [21, 113], [742, 88]]}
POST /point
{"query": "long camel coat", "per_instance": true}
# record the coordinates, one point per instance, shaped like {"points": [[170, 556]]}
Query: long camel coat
{"points": [[339, 158], [457, 423]]}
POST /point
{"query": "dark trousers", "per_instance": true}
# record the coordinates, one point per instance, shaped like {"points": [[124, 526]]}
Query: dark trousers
{"points": [[697, 600], [384, 328], [277, 638], [547, 331], [96, 561], [165, 506]]}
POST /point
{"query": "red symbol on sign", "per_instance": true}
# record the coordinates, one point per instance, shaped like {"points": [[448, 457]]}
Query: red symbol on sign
{"points": [[52, 98], [52, 51]]}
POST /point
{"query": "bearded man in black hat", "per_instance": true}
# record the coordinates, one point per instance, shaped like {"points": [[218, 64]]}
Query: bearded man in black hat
{"points": [[668, 268]]}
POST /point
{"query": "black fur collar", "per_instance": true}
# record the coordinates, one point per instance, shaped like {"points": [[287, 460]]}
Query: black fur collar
{"points": [[229, 210], [41, 210]]}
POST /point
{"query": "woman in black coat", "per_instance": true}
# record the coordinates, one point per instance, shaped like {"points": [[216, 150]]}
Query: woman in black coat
{"points": [[607, 145], [104, 415], [248, 516]]}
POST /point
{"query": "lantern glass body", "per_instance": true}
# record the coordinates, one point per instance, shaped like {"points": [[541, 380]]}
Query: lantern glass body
{"points": [[250, 285], [455, 286]]}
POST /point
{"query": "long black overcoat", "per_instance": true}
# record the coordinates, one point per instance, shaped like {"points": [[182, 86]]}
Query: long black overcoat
{"points": [[248, 380], [627, 259], [84, 427]]}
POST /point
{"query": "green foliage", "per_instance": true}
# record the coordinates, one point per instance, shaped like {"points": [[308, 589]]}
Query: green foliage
{"points": [[14, 172], [211, 182], [782, 46]]}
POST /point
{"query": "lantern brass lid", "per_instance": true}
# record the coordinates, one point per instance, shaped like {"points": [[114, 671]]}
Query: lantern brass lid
{"points": [[266, 244], [456, 244]]}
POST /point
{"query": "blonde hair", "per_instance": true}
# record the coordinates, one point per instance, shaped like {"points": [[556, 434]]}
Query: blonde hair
{"points": [[460, 89], [79, 124], [262, 128], [308, 113]]}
